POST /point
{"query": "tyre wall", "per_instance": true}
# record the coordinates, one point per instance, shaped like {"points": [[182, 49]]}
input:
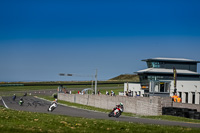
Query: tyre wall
{"points": [[167, 102]]}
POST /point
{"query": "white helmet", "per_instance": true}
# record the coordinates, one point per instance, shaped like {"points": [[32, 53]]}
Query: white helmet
{"points": [[121, 104]]}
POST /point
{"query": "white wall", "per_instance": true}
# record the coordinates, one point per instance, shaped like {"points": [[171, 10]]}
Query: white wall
{"points": [[135, 87], [189, 87]]}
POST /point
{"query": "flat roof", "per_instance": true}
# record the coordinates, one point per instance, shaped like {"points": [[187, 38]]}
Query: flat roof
{"points": [[167, 71], [171, 59]]}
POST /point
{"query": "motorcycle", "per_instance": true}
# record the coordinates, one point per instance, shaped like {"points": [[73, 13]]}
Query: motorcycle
{"points": [[21, 102], [52, 107], [112, 113]]}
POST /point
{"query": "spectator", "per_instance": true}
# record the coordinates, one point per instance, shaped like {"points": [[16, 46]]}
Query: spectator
{"points": [[14, 97], [126, 93], [25, 94], [129, 93], [174, 97], [112, 93]]}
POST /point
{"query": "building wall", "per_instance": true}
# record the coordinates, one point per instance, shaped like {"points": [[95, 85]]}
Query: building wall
{"points": [[187, 89]]}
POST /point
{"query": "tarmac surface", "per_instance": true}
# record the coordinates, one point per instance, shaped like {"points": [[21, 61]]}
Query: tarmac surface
{"points": [[34, 104]]}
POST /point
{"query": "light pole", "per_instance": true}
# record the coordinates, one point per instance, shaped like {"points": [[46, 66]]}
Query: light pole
{"points": [[96, 82], [63, 74]]}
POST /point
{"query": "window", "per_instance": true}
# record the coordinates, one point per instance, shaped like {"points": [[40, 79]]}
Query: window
{"points": [[186, 97], [180, 94], [154, 64], [193, 98]]}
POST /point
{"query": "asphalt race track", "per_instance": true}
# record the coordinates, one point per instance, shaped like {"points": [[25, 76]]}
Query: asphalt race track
{"points": [[34, 104]]}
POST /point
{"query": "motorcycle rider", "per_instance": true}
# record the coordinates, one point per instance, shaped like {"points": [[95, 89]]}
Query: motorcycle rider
{"points": [[53, 104], [119, 108], [21, 101], [14, 97], [55, 101]]}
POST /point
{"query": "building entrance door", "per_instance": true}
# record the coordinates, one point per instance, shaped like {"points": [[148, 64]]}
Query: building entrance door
{"points": [[159, 87], [162, 87]]}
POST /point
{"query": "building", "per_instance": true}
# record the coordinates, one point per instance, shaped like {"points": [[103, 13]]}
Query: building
{"points": [[164, 76]]}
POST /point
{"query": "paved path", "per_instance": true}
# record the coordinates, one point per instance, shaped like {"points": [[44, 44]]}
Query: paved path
{"points": [[38, 105]]}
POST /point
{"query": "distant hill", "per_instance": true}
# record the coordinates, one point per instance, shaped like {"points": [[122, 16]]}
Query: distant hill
{"points": [[126, 77]]}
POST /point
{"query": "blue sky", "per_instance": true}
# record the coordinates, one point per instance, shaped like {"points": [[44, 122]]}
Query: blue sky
{"points": [[39, 39]]}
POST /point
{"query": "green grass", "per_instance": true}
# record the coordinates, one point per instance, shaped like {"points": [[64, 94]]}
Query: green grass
{"points": [[27, 122], [50, 87], [172, 118], [161, 117], [25, 88]]}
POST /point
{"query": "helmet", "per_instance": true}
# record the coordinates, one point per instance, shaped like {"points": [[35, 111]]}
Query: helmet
{"points": [[121, 104]]}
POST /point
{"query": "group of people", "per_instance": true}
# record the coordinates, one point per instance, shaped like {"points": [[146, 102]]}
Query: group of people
{"points": [[128, 93], [176, 98], [112, 93]]}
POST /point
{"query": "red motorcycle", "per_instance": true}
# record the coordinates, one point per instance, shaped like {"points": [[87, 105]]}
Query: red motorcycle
{"points": [[116, 112]]}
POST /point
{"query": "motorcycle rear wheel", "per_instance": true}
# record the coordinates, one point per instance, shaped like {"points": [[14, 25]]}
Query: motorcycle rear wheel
{"points": [[117, 115]]}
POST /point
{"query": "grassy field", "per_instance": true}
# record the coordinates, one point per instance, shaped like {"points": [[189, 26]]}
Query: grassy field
{"points": [[26, 122], [50, 87]]}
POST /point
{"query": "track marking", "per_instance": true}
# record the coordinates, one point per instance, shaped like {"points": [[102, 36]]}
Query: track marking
{"points": [[4, 103]]}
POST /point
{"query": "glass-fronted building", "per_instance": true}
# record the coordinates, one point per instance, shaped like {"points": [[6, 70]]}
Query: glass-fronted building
{"points": [[158, 78]]}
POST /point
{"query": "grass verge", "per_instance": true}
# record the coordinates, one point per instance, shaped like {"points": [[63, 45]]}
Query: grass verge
{"points": [[27, 122], [50, 87]]}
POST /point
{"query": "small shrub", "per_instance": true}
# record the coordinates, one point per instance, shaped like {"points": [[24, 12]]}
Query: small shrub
{"points": [[55, 95]]}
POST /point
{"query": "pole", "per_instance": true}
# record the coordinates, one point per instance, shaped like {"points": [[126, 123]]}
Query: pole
{"points": [[96, 82], [175, 80], [92, 84]]}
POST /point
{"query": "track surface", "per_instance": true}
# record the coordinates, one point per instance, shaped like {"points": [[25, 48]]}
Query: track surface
{"points": [[33, 104]]}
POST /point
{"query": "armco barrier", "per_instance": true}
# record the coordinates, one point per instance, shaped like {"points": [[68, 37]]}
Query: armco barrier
{"points": [[137, 105]]}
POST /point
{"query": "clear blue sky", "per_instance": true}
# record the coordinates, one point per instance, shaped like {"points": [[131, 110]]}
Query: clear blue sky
{"points": [[39, 39]]}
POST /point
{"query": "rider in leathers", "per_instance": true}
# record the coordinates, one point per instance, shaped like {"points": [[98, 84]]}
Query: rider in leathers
{"points": [[119, 108]]}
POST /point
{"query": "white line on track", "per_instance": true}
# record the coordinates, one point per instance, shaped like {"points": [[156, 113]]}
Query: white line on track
{"points": [[4, 103]]}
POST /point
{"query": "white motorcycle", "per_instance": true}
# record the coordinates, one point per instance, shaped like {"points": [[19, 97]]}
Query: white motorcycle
{"points": [[52, 107]]}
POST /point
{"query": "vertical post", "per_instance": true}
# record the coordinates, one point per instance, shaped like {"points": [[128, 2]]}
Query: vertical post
{"points": [[92, 84], [175, 80], [96, 82]]}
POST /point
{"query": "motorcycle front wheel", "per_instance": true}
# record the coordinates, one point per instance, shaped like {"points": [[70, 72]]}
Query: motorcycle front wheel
{"points": [[111, 114]]}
